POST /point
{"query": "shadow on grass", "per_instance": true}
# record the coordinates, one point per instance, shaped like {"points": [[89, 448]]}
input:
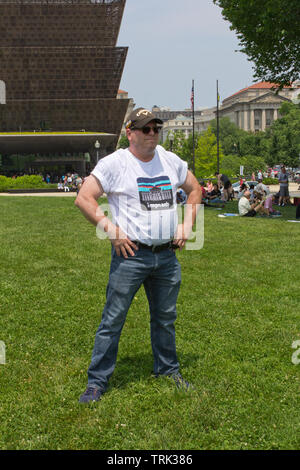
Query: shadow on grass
{"points": [[133, 369]]}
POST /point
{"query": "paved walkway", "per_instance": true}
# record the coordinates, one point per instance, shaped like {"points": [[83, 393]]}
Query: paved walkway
{"points": [[293, 189], [64, 194]]}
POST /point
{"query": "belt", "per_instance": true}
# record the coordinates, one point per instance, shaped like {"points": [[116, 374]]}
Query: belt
{"points": [[156, 248]]}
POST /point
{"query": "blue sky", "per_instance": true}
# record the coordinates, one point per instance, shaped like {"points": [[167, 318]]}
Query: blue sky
{"points": [[171, 43]]}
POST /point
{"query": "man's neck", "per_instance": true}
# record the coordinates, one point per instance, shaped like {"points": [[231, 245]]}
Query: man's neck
{"points": [[142, 155]]}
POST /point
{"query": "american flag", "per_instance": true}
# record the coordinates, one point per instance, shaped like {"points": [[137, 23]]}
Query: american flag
{"points": [[192, 96]]}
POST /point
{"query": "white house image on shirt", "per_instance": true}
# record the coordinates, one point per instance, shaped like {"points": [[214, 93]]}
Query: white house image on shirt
{"points": [[2, 92]]}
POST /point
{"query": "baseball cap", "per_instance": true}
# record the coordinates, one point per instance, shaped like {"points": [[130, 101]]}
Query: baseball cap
{"points": [[140, 117]]}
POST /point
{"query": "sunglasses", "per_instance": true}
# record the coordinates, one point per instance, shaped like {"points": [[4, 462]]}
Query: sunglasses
{"points": [[147, 129]]}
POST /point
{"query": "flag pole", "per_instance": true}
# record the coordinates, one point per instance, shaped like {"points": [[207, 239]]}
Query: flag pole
{"points": [[193, 115], [218, 129]]}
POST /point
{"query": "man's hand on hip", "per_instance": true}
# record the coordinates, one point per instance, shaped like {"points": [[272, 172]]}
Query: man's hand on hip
{"points": [[181, 236], [121, 243]]}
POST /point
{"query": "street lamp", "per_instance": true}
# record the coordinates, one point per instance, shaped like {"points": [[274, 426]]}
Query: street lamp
{"points": [[171, 139], [97, 146]]}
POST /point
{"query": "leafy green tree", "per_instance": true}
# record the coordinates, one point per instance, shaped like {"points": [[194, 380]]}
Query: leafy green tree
{"points": [[123, 142], [178, 142], [231, 165], [235, 141], [206, 154], [283, 137], [228, 134], [187, 149], [269, 34]]}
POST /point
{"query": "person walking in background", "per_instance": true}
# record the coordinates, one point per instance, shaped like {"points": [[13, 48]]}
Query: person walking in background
{"points": [[223, 181]]}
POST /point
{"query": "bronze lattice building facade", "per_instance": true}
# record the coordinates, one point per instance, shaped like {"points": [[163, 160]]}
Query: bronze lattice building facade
{"points": [[60, 69]]}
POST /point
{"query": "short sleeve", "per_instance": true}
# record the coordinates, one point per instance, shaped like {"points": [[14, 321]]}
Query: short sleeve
{"points": [[182, 172], [106, 171], [180, 166]]}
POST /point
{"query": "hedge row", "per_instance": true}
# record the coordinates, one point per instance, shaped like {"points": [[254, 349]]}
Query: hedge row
{"points": [[270, 181], [22, 182]]}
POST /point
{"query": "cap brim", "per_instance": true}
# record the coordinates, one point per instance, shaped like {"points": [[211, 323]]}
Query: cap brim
{"points": [[146, 121]]}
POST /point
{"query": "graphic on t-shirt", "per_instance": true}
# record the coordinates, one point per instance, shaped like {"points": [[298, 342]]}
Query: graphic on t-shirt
{"points": [[155, 193]]}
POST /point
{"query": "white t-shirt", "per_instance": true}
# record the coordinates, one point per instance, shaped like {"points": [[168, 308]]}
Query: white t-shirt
{"points": [[142, 195], [244, 205], [262, 188]]}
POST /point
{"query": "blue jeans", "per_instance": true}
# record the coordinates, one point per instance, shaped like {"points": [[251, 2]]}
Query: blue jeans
{"points": [[216, 200], [160, 274]]}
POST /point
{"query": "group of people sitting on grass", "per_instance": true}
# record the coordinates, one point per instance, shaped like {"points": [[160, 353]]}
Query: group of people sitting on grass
{"points": [[211, 194], [258, 204], [70, 182], [256, 200], [252, 200]]}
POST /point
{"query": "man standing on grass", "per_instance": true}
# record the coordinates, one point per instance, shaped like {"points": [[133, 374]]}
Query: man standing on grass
{"points": [[224, 181], [284, 186], [141, 184]]}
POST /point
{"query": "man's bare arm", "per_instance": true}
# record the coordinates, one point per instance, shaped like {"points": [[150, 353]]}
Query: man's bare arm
{"points": [[87, 198], [193, 190], [86, 201]]}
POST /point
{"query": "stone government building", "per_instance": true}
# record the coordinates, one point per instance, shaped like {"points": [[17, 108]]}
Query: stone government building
{"points": [[255, 108], [252, 109], [60, 71]]}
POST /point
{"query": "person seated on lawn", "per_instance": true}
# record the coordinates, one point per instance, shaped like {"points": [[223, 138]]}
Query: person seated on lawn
{"points": [[202, 184], [212, 199], [250, 210], [209, 186], [268, 205], [262, 188], [251, 189], [243, 188], [215, 195], [257, 196], [181, 196]]}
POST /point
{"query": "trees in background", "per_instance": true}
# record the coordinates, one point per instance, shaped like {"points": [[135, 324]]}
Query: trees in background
{"points": [[282, 139], [206, 154], [269, 34], [280, 143]]}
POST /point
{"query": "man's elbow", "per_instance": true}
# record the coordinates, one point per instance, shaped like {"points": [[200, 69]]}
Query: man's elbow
{"points": [[78, 201], [199, 195]]}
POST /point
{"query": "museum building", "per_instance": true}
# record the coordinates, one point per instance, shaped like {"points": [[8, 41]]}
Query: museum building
{"points": [[60, 72]]}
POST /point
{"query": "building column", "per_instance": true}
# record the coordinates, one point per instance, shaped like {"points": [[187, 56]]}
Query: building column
{"points": [[252, 120], [263, 119], [241, 120], [275, 114]]}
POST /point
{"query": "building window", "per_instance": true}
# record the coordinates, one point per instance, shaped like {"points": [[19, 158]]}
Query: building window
{"points": [[2, 92]]}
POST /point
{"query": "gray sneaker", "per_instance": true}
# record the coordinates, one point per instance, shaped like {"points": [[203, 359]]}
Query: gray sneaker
{"points": [[90, 394], [180, 383]]}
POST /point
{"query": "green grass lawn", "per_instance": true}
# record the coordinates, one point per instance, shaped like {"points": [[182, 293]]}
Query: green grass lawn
{"points": [[238, 315]]}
